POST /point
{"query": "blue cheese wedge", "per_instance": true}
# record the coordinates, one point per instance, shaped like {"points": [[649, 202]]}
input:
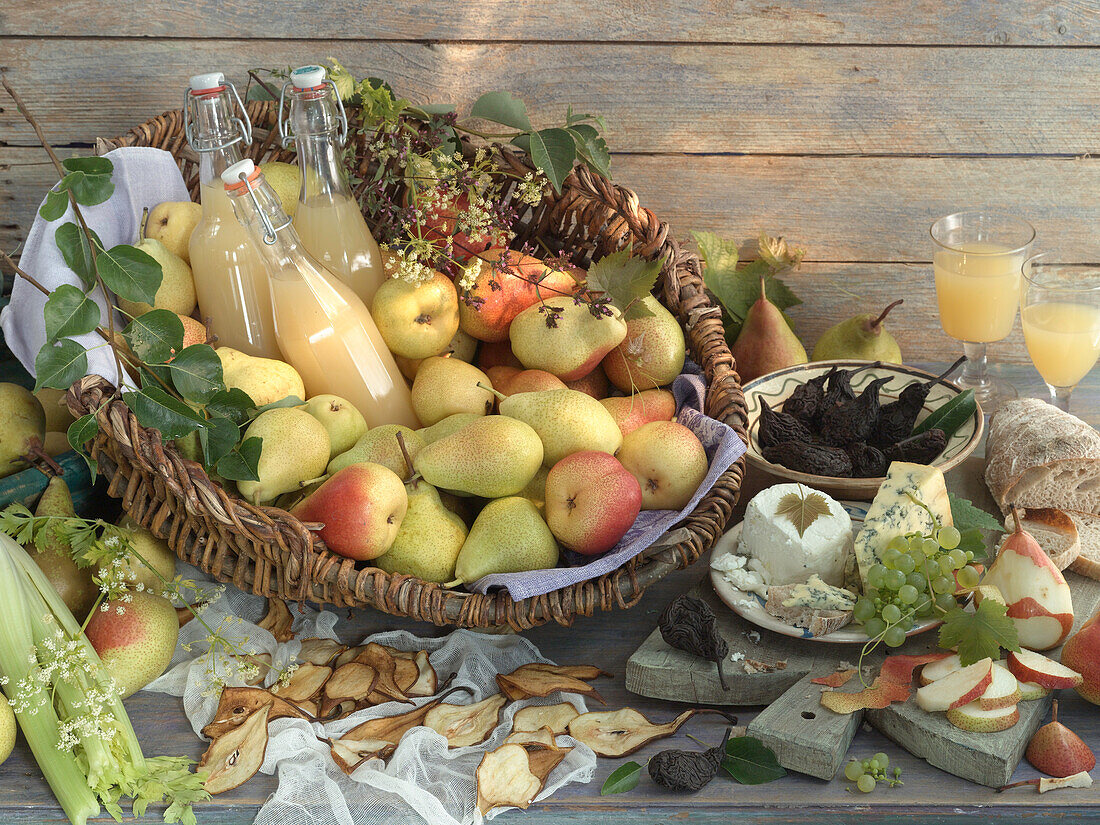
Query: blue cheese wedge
{"points": [[815, 594], [894, 513]]}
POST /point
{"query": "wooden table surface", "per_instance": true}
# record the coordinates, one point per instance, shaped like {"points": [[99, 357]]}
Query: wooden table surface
{"points": [[928, 795]]}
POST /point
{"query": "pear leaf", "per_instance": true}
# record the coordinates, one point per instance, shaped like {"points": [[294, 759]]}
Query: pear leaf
{"points": [[751, 762], [197, 373], [624, 778], [88, 189], [54, 207], [58, 364], [802, 509], [501, 107], [155, 336], [240, 464], [592, 148], [626, 280], [130, 272], [69, 312], [553, 152], [218, 438], [76, 250], [157, 409]]}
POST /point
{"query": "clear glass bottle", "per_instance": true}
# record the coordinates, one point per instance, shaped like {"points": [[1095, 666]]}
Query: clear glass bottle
{"points": [[324, 330], [230, 275], [328, 219]]}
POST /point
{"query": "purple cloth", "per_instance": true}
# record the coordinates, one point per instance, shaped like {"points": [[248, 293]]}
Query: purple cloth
{"points": [[723, 447]]}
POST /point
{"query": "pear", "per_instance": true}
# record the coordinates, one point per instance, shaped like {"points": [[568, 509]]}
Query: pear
{"points": [[172, 223], [73, 583], [535, 491], [135, 639], [379, 446], [58, 417], [55, 444], [508, 536], [286, 180], [161, 560], [653, 352], [429, 540], [493, 457], [344, 424], [573, 347], [416, 320], [450, 424], [177, 285], [765, 343], [295, 449], [22, 427], [567, 421], [863, 337], [266, 380], [445, 386], [1058, 751], [8, 729]]}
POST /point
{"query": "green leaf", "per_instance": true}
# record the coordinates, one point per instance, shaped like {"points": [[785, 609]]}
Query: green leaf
{"points": [[155, 336], [88, 190], [501, 107], [257, 92], [973, 541], [624, 778], [54, 207], [965, 516], [218, 438], [288, 401], [59, 364], [719, 255], [89, 166], [980, 634], [157, 409], [428, 110], [130, 273], [197, 373], [69, 312], [233, 403], [240, 464], [625, 280], [750, 762], [82, 431], [592, 148], [76, 250], [554, 152]]}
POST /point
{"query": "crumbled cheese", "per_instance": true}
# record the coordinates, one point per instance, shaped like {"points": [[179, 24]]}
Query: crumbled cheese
{"points": [[736, 656], [746, 604], [753, 636], [733, 569]]}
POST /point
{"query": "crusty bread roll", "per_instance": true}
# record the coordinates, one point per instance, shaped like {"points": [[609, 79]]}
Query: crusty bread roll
{"points": [[1088, 528], [1039, 456], [1055, 530]]}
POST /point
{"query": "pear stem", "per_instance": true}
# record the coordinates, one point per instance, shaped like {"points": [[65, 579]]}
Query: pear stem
{"points": [[1016, 518], [763, 288], [144, 223], [875, 324], [453, 584], [1054, 711], [308, 481], [943, 375], [408, 459], [500, 396]]}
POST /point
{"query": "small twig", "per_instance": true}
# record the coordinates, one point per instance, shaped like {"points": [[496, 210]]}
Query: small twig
{"points": [[266, 88]]}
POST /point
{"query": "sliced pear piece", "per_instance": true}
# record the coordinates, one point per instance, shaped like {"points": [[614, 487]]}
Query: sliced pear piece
{"points": [[543, 758], [234, 758], [348, 655], [392, 728], [584, 672], [351, 681], [336, 708], [465, 725], [504, 778], [621, 732], [304, 683], [308, 706], [542, 736], [937, 670], [427, 681], [262, 661], [1003, 691], [236, 704], [319, 651], [976, 719], [957, 689], [349, 754], [534, 717], [538, 680]]}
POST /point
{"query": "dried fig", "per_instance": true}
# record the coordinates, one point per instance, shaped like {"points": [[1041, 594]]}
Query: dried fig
{"points": [[504, 777], [351, 681], [238, 703], [304, 683], [234, 758], [319, 651], [556, 717], [621, 732], [465, 725], [277, 620]]}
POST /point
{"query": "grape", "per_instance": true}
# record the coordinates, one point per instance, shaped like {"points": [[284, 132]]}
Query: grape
{"points": [[883, 761], [898, 543], [970, 555], [948, 537], [916, 544], [916, 579], [945, 565], [895, 637], [891, 613], [945, 601], [875, 575], [958, 558], [932, 568], [931, 547], [906, 623], [925, 610], [866, 783], [873, 627], [890, 556], [905, 564], [907, 594], [968, 576], [864, 610], [942, 584], [894, 579], [866, 764], [853, 771]]}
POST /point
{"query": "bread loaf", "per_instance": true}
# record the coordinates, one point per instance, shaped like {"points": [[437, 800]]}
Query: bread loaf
{"points": [[1055, 530], [1039, 456], [1088, 529]]}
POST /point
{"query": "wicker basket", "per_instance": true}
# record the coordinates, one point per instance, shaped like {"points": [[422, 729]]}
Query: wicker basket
{"points": [[267, 551]]}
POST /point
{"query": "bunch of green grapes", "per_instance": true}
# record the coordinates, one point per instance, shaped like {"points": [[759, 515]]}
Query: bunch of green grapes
{"points": [[916, 579], [869, 772]]}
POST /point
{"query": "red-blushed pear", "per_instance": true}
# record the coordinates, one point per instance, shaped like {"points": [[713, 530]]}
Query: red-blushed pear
{"points": [[507, 283], [135, 639], [1029, 666], [668, 461], [591, 501], [976, 719], [1038, 598], [595, 384], [632, 411], [439, 224], [956, 689], [527, 381], [360, 508], [1057, 751], [765, 343], [1003, 691], [1081, 652], [496, 354]]}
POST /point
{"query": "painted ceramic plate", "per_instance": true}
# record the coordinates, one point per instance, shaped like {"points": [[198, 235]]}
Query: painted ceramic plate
{"points": [[750, 606], [777, 386]]}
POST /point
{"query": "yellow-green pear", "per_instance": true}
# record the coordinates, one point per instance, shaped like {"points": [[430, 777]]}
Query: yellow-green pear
{"points": [[286, 180], [571, 349], [55, 444], [8, 729], [22, 427], [445, 386], [295, 449], [54, 556], [135, 637], [535, 491], [58, 417], [172, 223], [416, 320], [492, 457], [157, 563], [450, 424], [863, 338], [653, 352], [567, 421], [508, 536], [429, 540], [343, 422], [379, 446], [266, 380], [176, 292]]}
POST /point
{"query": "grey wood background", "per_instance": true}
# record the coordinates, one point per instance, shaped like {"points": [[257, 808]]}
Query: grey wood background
{"points": [[844, 125]]}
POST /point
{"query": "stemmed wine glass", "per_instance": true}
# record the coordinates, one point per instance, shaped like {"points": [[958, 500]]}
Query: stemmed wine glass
{"points": [[1060, 314], [977, 261]]}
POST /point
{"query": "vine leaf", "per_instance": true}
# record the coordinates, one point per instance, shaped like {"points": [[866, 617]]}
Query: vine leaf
{"points": [[750, 762], [554, 152], [501, 107], [980, 634], [624, 778], [965, 516], [130, 273], [625, 280], [59, 364], [592, 148], [802, 509], [69, 312]]}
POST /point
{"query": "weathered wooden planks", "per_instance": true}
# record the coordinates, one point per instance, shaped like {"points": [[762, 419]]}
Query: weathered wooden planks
{"points": [[656, 98], [977, 22]]}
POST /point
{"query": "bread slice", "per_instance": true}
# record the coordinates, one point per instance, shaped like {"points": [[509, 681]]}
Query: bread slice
{"points": [[1088, 528], [1040, 456], [1055, 530], [818, 622]]}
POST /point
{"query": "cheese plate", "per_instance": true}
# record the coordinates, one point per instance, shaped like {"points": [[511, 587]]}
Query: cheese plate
{"points": [[750, 606]]}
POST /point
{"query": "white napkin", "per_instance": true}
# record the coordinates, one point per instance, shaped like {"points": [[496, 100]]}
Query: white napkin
{"points": [[143, 177]]}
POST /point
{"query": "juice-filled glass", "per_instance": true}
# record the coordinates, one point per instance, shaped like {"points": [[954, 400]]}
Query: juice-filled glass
{"points": [[324, 330], [230, 275], [328, 219]]}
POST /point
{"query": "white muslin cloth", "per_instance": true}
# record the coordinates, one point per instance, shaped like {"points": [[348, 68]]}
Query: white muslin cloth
{"points": [[143, 177]]}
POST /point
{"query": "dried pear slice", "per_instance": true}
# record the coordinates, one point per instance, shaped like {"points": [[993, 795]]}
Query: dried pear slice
{"points": [[349, 754], [621, 732], [465, 725], [556, 717], [504, 778], [304, 683], [309, 706], [382, 661], [392, 728], [319, 651], [234, 758], [238, 703], [262, 661], [405, 673], [336, 708], [543, 758], [427, 680], [351, 681], [348, 655], [528, 683], [584, 672], [542, 736], [277, 620]]}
